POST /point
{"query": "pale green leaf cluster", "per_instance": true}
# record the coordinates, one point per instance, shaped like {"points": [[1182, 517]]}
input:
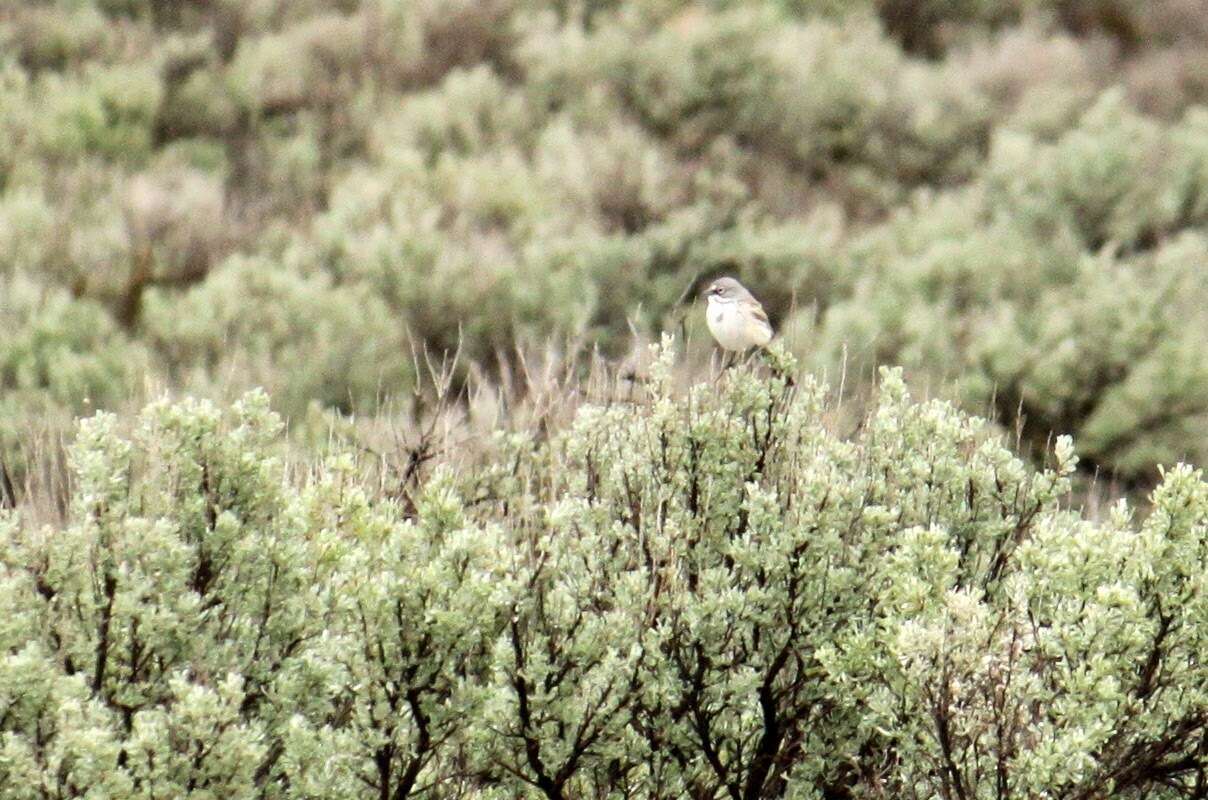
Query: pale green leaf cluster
{"points": [[693, 592]]}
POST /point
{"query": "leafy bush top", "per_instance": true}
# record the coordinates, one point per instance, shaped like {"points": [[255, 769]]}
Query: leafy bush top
{"points": [[699, 592]]}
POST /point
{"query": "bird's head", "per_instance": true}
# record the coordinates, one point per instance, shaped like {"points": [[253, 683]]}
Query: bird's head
{"points": [[725, 290]]}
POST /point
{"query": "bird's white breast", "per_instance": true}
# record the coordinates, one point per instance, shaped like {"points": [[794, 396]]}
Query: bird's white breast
{"points": [[727, 325]]}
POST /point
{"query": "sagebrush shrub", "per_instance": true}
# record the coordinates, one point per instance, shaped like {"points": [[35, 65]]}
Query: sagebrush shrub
{"points": [[1005, 197], [1055, 287], [684, 592], [61, 350], [253, 322]]}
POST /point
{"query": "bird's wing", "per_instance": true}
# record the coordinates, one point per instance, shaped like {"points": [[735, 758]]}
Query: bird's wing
{"points": [[756, 311]]}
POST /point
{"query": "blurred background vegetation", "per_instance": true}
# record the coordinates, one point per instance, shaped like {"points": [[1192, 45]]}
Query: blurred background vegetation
{"points": [[1008, 198]]}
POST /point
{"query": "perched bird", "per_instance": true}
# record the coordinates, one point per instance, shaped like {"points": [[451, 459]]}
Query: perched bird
{"points": [[736, 319]]}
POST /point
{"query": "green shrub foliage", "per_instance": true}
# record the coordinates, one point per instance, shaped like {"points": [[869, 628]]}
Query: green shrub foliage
{"points": [[680, 586], [1006, 197], [695, 592], [1071, 269]]}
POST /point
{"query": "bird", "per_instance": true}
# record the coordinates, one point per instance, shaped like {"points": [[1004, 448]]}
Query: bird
{"points": [[736, 319]]}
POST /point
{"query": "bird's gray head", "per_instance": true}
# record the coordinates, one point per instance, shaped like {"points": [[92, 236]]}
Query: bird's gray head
{"points": [[726, 290]]}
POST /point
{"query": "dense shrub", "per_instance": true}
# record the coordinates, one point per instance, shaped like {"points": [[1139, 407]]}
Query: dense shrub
{"points": [[1000, 193], [834, 100], [1060, 289], [669, 584], [59, 350], [252, 323], [704, 592]]}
